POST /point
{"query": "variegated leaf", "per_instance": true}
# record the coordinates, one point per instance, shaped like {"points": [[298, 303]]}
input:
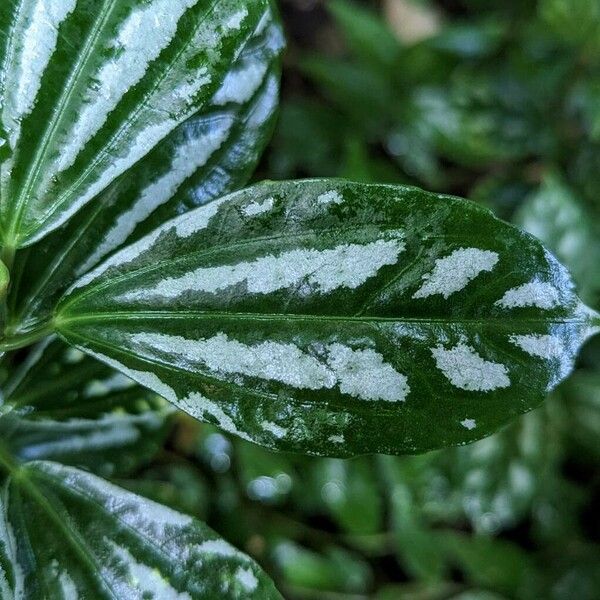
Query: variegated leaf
{"points": [[336, 318], [207, 156], [90, 87], [67, 534], [59, 404]]}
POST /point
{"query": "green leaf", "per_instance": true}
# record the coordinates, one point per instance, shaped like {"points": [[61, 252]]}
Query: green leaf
{"points": [[557, 216], [59, 404], [176, 484], [366, 33], [4, 280], [335, 569], [68, 534], [349, 491], [89, 88], [576, 21], [490, 563], [207, 156], [308, 139], [336, 318]]}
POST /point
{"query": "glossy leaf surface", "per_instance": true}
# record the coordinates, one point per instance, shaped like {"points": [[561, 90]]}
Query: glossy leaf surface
{"points": [[68, 534], [336, 318], [89, 88], [209, 155], [62, 405]]}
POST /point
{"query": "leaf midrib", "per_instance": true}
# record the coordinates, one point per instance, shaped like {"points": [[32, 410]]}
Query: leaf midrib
{"points": [[198, 314]]}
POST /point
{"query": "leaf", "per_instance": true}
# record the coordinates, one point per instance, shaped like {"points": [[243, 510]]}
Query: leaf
{"points": [[558, 217], [4, 279], [473, 39], [59, 404], [336, 318], [335, 569], [490, 563], [89, 88], [178, 485], [576, 21], [349, 492], [68, 534], [210, 154], [417, 543], [307, 140], [366, 33]]}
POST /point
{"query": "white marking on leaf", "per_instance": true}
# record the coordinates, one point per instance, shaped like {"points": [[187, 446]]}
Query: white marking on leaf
{"points": [[468, 424], [67, 586], [199, 406], [140, 514], [145, 579], [535, 293], [346, 266], [219, 548], [266, 104], [363, 374], [235, 21], [465, 369], [143, 141], [39, 43], [273, 361], [265, 20], [331, 197], [247, 579], [336, 439], [181, 107], [543, 346], [359, 373], [122, 434], [257, 208], [188, 158], [144, 378], [241, 84], [198, 219], [452, 273], [140, 40], [101, 387], [276, 430], [17, 589]]}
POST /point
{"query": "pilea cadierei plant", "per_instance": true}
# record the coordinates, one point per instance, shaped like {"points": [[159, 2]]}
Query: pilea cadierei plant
{"points": [[321, 317]]}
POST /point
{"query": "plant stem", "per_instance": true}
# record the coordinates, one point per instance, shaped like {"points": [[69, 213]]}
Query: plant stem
{"points": [[7, 462], [27, 339], [8, 256], [4, 283]]}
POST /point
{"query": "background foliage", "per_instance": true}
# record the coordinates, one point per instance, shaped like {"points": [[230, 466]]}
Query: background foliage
{"points": [[498, 102]]}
